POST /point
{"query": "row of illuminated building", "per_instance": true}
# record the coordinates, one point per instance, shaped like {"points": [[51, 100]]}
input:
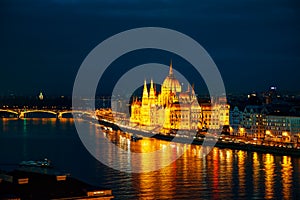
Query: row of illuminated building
{"points": [[259, 122]]}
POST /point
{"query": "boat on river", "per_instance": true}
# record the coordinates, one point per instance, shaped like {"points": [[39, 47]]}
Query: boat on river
{"points": [[136, 138], [36, 163]]}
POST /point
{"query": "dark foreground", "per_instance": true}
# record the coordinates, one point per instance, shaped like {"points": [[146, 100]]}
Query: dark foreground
{"points": [[22, 184]]}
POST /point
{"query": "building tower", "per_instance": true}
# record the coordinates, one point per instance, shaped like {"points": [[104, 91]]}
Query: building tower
{"points": [[145, 108], [152, 97], [145, 96], [169, 88]]}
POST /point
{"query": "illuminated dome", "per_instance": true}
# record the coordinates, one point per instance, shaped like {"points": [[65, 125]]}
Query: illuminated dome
{"points": [[171, 83]]}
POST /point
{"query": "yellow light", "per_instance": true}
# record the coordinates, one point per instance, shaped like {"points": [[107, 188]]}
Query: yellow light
{"points": [[285, 133]]}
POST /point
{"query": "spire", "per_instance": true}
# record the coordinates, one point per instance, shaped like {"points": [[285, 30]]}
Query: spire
{"points": [[193, 89], [145, 91], [145, 95], [134, 100], [193, 92], [171, 68], [151, 84], [151, 92]]}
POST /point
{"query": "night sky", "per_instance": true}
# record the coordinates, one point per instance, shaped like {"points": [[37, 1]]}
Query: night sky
{"points": [[255, 43]]}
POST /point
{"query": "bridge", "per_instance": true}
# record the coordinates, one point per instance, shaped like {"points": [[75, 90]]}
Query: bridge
{"points": [[55, 113]]}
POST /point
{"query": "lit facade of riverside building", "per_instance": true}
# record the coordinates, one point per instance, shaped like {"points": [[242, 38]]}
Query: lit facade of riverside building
{"points": [[174, 109]]}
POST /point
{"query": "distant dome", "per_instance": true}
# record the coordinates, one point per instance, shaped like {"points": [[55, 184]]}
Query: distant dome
{"points": [[171, 83]]}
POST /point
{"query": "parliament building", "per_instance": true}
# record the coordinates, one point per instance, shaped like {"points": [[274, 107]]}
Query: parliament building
{"points": [[173, 109]]}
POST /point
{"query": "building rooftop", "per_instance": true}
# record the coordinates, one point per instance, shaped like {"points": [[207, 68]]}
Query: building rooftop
{"points": [[20, 184]]}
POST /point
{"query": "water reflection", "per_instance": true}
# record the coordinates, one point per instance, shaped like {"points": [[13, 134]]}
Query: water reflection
{"points": [[156, 185], [256, 172], [241, 171], [222, 174], [269, 176], [287, 171], [5, 124], [25, 126]]}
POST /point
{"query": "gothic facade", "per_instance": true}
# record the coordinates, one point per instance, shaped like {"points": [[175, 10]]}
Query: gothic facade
{"points": [[174, 109]]}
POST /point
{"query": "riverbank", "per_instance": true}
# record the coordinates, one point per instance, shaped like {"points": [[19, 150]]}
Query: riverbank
{"points": [[214, 142]]}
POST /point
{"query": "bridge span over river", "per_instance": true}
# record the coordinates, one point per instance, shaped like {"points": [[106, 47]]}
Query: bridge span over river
{"points": [[19, 113]]}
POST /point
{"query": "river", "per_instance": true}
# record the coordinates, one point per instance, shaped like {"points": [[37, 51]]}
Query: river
{"points": [[222, 174]]}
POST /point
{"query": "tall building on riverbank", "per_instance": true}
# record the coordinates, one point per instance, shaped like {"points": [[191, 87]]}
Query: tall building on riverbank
{"points": [[174, 109]]}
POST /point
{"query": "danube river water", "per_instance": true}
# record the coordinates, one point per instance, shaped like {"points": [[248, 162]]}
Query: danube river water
{"points": [[222, 174]]}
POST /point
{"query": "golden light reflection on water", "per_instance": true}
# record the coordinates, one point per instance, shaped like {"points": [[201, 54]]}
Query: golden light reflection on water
{"points": [[149, 183], [46, 121], [222, 174], [165, 179], [62, 120], [222, 171], [150, 186], [228, 169], [269, 176], [215, 167], [287, 172], [241, 170], [5, 123], [256, 171], [145, 146]]}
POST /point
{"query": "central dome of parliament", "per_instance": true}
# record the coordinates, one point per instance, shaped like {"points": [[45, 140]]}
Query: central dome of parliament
{"points": [[171, 84]]}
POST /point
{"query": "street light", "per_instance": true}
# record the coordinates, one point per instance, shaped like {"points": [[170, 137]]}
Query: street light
{"points": [[242, 131], [286, 134], [230, 130]]}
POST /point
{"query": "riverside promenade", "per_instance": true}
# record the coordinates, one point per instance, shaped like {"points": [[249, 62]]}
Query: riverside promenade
{"points": [[220, 142]]}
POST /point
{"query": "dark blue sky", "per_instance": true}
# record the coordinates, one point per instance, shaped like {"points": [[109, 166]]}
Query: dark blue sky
{"points": [[255, 43]]}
